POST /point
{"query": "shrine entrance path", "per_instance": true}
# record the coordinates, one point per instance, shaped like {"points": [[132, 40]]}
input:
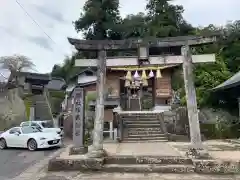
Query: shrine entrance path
{"points": [[141, 149]]}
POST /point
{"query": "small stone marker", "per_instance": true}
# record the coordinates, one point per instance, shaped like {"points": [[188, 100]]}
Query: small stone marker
{"points": [[78, 122]]}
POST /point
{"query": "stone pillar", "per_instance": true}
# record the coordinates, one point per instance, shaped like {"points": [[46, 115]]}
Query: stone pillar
{"points": [[32, 114], [97, 149], [111, 130], [115, 135], [239, 108], [79, 122], [195, 134]]}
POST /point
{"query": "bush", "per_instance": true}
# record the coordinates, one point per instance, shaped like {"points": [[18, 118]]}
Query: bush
{"points": [[147, 103], [90, 96], [57, 94], [235, 129], [220, 130], [55, 100], [209, 131], [27, 107]]}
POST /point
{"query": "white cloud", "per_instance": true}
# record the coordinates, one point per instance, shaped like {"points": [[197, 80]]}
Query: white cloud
{"points": [[18, 34]]}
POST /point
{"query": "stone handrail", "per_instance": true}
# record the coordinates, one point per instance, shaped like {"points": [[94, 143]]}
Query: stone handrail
{"points": [[47, 97]]}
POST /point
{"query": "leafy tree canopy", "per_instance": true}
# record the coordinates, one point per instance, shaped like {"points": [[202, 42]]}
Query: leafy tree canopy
{"points": [[98, 19]]}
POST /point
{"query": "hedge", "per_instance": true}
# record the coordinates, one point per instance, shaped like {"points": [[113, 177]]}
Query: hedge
{"points": [[220, 131]]}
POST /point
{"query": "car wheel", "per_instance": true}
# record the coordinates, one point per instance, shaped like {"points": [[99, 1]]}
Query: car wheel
{"points": [[3, 144], [32, 145]]}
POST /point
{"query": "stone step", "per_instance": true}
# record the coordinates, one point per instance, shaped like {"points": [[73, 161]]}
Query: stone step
{"points": [[147, 160], [132, 114], [144, 138], [141, 122], [146, 135], [138, 125], [139, 118], [144, 129], [144, 141], [143, 132], [148, 168]]}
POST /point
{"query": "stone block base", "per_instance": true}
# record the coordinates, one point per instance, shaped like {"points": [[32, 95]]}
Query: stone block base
{"points": [[78, 150], [216, 167], [101, 153], [160, 160], [146, 168], [85, 164]]}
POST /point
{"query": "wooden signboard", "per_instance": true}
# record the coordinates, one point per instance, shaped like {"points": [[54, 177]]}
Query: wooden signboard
{"points": [[163, 92], [163, 87]]}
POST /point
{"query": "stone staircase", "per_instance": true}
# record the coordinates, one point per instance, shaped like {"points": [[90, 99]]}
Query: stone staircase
{"points": [[148, 164], [39, 101], [42, 110], [142, 127]]}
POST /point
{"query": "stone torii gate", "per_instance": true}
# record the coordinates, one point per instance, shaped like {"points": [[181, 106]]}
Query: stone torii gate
{"points": [[186, 59]]}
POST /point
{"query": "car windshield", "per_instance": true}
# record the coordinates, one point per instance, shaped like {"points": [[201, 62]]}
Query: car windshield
{"points": [[47, 124], [30, 129], [25, 124]]}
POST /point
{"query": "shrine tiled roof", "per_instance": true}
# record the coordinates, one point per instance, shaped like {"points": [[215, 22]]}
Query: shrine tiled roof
{"points": [[230, 83], [56, 83], [93, 70]]}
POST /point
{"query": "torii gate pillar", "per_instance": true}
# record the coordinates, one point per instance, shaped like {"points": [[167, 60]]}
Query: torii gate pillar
{"points": [[196, 148]]}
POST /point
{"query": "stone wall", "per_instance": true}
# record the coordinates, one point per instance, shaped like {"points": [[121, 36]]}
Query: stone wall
{"points": [[176, 122], [12, 109]]}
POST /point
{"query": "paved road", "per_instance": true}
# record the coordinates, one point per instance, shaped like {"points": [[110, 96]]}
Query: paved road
{"points": [[15, 161]]}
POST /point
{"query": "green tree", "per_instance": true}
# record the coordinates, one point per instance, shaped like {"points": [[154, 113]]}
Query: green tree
{"points": [[67, 70], [208, 76], [134, 26], [165, 19], [231, 45], [98, 19]]}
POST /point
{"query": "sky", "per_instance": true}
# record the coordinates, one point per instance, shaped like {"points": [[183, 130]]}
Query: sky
{"points": [[20, 35]]}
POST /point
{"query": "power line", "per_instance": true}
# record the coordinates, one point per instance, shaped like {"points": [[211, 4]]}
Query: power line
{"points": [[21, 6], [34, 21]]}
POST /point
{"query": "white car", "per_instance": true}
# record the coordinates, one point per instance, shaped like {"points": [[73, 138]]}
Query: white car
{"points": [[29, 137], [44, 126]]}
